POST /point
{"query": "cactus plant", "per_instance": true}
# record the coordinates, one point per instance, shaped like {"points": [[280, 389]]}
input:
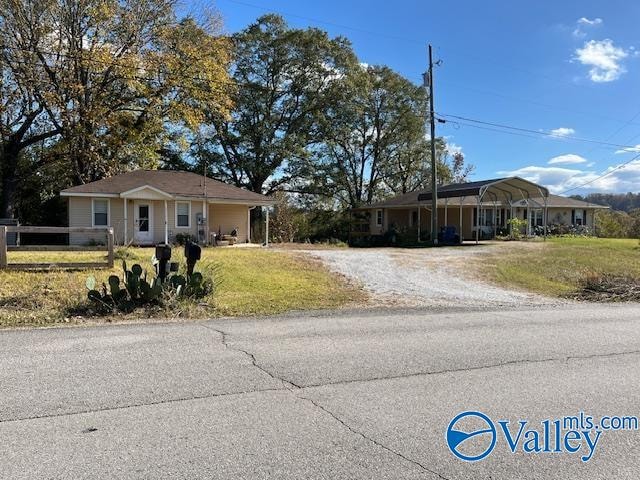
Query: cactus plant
{"points": [[135, 289]]}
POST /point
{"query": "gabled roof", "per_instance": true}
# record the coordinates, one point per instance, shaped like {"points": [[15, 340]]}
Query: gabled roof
{"points": [[170, 182]]}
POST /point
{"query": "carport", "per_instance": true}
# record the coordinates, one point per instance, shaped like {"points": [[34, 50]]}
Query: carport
{"points": [[499, 191]]}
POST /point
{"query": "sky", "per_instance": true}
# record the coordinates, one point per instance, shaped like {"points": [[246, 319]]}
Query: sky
{"points": [[555, 84]]}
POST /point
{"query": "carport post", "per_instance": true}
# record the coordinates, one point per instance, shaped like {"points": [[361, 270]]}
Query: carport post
{"points": [[510, 218]]}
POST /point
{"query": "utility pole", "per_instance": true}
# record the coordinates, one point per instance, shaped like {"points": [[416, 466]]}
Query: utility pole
{"points": [[434, 173]]}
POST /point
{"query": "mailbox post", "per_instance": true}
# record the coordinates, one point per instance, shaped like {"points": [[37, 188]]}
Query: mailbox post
{"points": [[163, 255], [192, 252]]}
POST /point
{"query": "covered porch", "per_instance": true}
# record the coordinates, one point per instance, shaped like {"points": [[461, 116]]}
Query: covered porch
{"points": [[148, 216], [492, 203], [475, 210]]}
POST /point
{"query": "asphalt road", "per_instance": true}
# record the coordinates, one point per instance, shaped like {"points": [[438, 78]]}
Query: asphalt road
{"points": [[345, 395]]}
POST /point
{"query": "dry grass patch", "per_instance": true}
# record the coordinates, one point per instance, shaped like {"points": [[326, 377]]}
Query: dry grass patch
{"points": [[253, 281], [563, 266]]}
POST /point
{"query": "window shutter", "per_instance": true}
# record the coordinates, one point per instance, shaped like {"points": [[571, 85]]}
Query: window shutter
{"points": [[573, 217], [584, 217]]}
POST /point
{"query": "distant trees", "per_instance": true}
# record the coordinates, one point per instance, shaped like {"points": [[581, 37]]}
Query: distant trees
{"points": [[624, 202]]}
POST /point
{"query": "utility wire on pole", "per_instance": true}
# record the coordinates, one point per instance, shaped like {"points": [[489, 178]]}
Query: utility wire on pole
{"points": [[428, 79]]}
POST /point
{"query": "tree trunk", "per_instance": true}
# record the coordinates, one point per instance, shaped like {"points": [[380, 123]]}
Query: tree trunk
{"points": [[8, 172]]}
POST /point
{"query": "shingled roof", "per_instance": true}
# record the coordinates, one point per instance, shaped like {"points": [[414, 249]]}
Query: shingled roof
{"points": [[174, 183]]}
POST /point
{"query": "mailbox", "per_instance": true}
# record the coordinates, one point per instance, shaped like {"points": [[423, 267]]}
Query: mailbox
{"points": [[163, 255], [193, 253]]}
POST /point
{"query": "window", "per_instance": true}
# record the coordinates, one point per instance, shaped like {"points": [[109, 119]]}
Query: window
{"points": [[537, 218], [379, 217], [100, 207], [183, 214]]}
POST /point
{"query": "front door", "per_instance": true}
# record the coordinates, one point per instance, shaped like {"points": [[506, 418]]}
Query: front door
{"points": [[143, 228]]}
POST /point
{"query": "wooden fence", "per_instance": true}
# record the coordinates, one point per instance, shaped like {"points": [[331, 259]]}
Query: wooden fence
{"points": [[54, 248]]}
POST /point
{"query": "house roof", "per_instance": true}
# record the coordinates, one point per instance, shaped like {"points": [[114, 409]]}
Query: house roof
{"points": [[170, 182], [467, 194]]}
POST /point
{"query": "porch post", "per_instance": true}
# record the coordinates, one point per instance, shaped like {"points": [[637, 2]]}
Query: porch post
{"points": [[205, 221], [461, 236], [166, 223], [446, 204], [477, 219], [528, 229], [545, 219], [266, 236], [419, 208], [126, 222], [248, 224]]}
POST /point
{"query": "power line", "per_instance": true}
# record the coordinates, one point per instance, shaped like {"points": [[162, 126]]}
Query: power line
{"points": [[605, 174], [536, 132], [456, 85]]}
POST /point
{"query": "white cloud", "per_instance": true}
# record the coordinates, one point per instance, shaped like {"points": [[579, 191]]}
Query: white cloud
{"points": [[567, 159], [559, 179], [584, 22], [563, 132], [604, 58], [453, 148], [635, 149]]}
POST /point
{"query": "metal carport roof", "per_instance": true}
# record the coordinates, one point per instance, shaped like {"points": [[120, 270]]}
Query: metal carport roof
{"points": [[510, 189]]}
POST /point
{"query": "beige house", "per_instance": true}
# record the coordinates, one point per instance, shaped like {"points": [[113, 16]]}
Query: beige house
{"points": [[478, 210], [147, 207]]}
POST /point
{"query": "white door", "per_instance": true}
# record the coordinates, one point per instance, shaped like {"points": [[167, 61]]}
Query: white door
{"points": [[143, 222]]}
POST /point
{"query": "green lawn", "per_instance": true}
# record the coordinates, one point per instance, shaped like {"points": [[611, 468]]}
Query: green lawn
{"points": [[560, 266], [253, 281]]}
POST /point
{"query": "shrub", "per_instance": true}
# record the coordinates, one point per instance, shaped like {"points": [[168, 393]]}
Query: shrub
{"points": [[183, 238], [517, 225]]}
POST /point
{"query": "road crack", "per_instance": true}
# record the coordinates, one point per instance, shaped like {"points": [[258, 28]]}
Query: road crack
{"points": [[287, 383], [294, 388], [369, 439], [472, 368]]}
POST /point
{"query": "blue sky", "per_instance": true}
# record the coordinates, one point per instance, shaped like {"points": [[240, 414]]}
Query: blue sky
{"points": [[567, 67]]}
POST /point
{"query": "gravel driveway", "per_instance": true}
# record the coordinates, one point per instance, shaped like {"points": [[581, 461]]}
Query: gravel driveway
{"points": [[425, 277]]}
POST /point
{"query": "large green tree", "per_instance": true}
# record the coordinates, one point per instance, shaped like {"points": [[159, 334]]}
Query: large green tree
{"points": [[97, 82], [374, 140], [287, 78]]}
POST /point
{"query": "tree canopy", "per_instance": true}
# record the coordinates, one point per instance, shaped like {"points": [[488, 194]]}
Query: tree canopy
{"points": [[91, 88], [96, 82]]}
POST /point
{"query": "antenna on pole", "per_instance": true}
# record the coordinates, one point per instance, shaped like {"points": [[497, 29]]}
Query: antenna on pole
{"points": [[428, 83]]}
